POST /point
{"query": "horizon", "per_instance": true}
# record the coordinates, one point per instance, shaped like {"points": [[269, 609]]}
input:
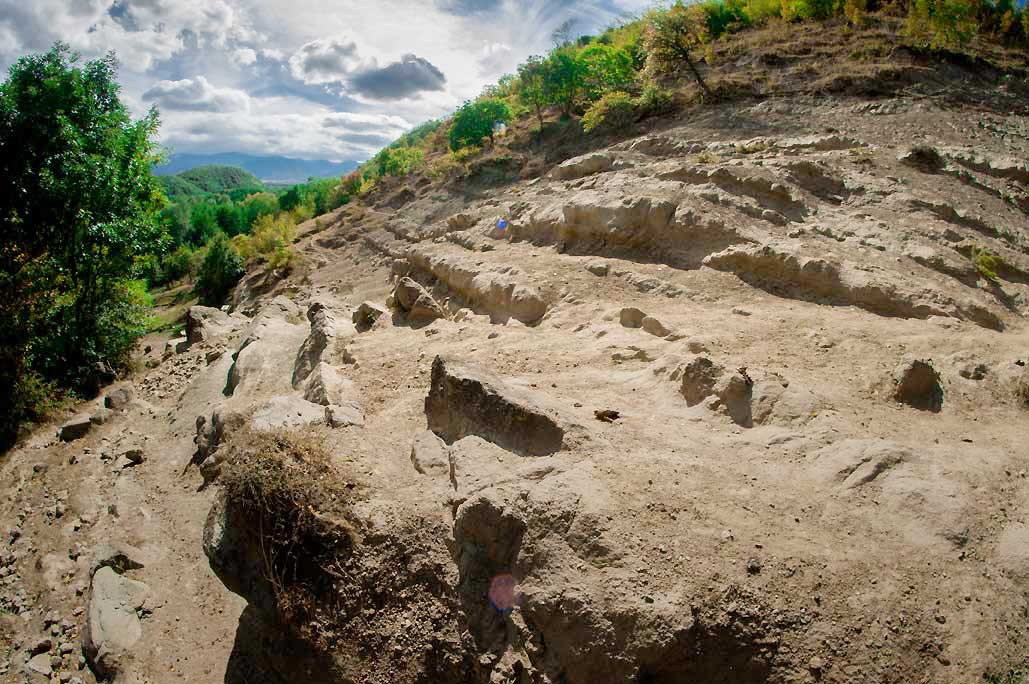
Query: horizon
{"points": [[262, 78]]}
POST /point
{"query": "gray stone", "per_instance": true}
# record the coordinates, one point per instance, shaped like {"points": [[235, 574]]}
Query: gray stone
{"points": [[40, 664], [366, 314], [101, 416], [340, 416], [287, 413], [204, 323], [655, 327], [326, 386], [466, 399], [75, 428], [631, 317], [134, 456], [112, 628], [429, 455], [415, 302], [118, 399]]}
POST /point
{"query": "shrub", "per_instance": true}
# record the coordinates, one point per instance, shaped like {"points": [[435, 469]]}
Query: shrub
{"points": [[474, 121], [760, 11], [614, 111], [125, 317], [220, 271], [941, 24], [986, 263], [655, 101], [673, 37], [177, 264]]}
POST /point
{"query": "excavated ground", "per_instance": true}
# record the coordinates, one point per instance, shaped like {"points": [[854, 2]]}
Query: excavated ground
{"points": [[668, 426]]}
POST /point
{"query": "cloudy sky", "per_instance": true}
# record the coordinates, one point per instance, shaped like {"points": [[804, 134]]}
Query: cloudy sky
{"points": [[319, 79]]}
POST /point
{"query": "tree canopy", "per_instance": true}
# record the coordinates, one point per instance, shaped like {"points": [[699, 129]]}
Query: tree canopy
{"points": [[474, 121]]}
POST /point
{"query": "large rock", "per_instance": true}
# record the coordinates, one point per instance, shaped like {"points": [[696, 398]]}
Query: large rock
{"points": [[917, 383], [325, 330], [429, 455], [586, 165], [466, 399], [204, 323], [287, 413], [415, 302], [112, 628], [236, 559], [326, 386], [75, 428], [703, 379], [366, 314], [119, 398]]}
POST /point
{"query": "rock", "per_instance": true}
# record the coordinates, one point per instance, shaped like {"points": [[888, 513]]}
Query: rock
{"points": [[112, 627], [598, 268], [210, 434], [702, 379], [42, 645], [487, 537], [236, 560], [586, 165], [974, 371], [923, 158], [429, 455], [134, 456], [181, 345], [366, 314], [415, 302], [655, 327], [325, 329], [40, 664], [213, 355], [101, 416], [466, 399], [115, 555], [326, 386], [287, 413], [119, 398], [204, 323], [631, 317], [341, 416], [75, 428], [917, 384]]}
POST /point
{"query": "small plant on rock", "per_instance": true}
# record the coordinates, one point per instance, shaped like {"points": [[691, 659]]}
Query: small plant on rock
{"points": [[986, 263]]}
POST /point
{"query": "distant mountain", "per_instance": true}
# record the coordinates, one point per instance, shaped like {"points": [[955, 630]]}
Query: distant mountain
{"points": [[213, 178], [272, 170]]}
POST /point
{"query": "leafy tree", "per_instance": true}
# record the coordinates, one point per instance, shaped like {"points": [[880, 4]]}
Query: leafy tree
{"points": [[606, 69], [671, 38], [257, 205], [532, 86], [219, 272], [78, 205], [203, 223], [474, 121], [942, 24], [563, 74], [230, 219]]}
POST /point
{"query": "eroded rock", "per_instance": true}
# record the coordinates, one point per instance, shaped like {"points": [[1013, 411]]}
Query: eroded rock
{"points": [[917, 383], [75, 428], [113, 629]]}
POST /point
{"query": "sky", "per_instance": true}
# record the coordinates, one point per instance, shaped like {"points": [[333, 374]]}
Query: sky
{"points": [[314, 79]]}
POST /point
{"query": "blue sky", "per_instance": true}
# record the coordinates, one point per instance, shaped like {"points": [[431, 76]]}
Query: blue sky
{"points": [[327, 79]]}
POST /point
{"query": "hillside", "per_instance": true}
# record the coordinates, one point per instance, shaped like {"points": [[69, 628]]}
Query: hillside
{"points": [[734, 392], [274, 170], [211, 179]]}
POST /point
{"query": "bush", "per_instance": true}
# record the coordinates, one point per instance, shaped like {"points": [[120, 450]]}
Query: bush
{"points": [[655, 101], [614, 111], [177, 264], [221, 269], [986, 263], [125, 317], [474, 121]]}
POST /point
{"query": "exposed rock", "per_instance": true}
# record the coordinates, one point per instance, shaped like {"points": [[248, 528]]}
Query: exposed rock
{"points": [[341, 416], [598, 268], [917, 383], [655, 327], [236, 560], [119, 398], [923, 158], [134, 456], [101, 416], [326, 386], [75, 428], [429, 455], [112, 628], [211, 433], [366, 314], [854, 463], [466, 399], [586, 165], [40, 664], [702, 379], [631, 317], [325, 329], [287, 413], [415, 302], [204, 323], [181, 345]]}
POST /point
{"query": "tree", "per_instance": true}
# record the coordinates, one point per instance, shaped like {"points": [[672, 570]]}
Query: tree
{"points": [[220, 270], [532, 86], [671, 38], [563, 75], [78, 205], [474, 121], [203, 223], [606, 69], [942, 24]]}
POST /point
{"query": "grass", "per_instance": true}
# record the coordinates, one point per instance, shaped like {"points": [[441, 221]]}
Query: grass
{"points": [[986, 263]]}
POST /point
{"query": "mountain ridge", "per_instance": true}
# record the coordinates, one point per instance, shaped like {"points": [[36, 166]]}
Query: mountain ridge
{"points": [[269, 169]]}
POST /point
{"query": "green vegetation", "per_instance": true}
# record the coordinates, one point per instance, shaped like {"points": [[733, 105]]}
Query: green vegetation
{"points": [[986, 263], [474, 121], [77, 208], [220, 270], [613, 111]]}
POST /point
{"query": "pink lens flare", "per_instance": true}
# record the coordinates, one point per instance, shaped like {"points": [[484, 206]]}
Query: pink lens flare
{"points": [[502, 593]]}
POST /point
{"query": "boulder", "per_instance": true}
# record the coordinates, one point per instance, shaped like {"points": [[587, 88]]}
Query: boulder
{"points": [[415, 302], [211, 433], [286, 412], [40, 664], [112, 627], [344, 415], [366, 314], [429, 455], [703, 379], [923, 158], [75, 428], [586, 165], [326, 386], [134, 456], [631, 317], [325, 329], [654, 327], [204, 323], [180, 344], [101, 416], [235, 558], [917, 384], [466, 399], [118, 399]]}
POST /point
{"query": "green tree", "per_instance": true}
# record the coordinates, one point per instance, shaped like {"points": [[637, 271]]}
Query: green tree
{"points": [[230, 219], [563, 74], [942, 24], [474, 121], [532, 86], [672, 37], [257, 205], [78, 205], [203, 223], [219, 272], [606, 69]]}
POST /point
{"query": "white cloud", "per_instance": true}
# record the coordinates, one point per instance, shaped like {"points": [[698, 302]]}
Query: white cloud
{"points": [[244, 56], [197, 94], [329, 60]]}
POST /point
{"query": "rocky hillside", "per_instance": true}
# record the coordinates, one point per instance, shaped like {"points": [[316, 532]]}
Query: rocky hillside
{"points": [[738, 398]]}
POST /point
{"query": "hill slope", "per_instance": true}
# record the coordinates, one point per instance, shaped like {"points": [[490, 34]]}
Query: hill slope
{"points": [[211, 179]]}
